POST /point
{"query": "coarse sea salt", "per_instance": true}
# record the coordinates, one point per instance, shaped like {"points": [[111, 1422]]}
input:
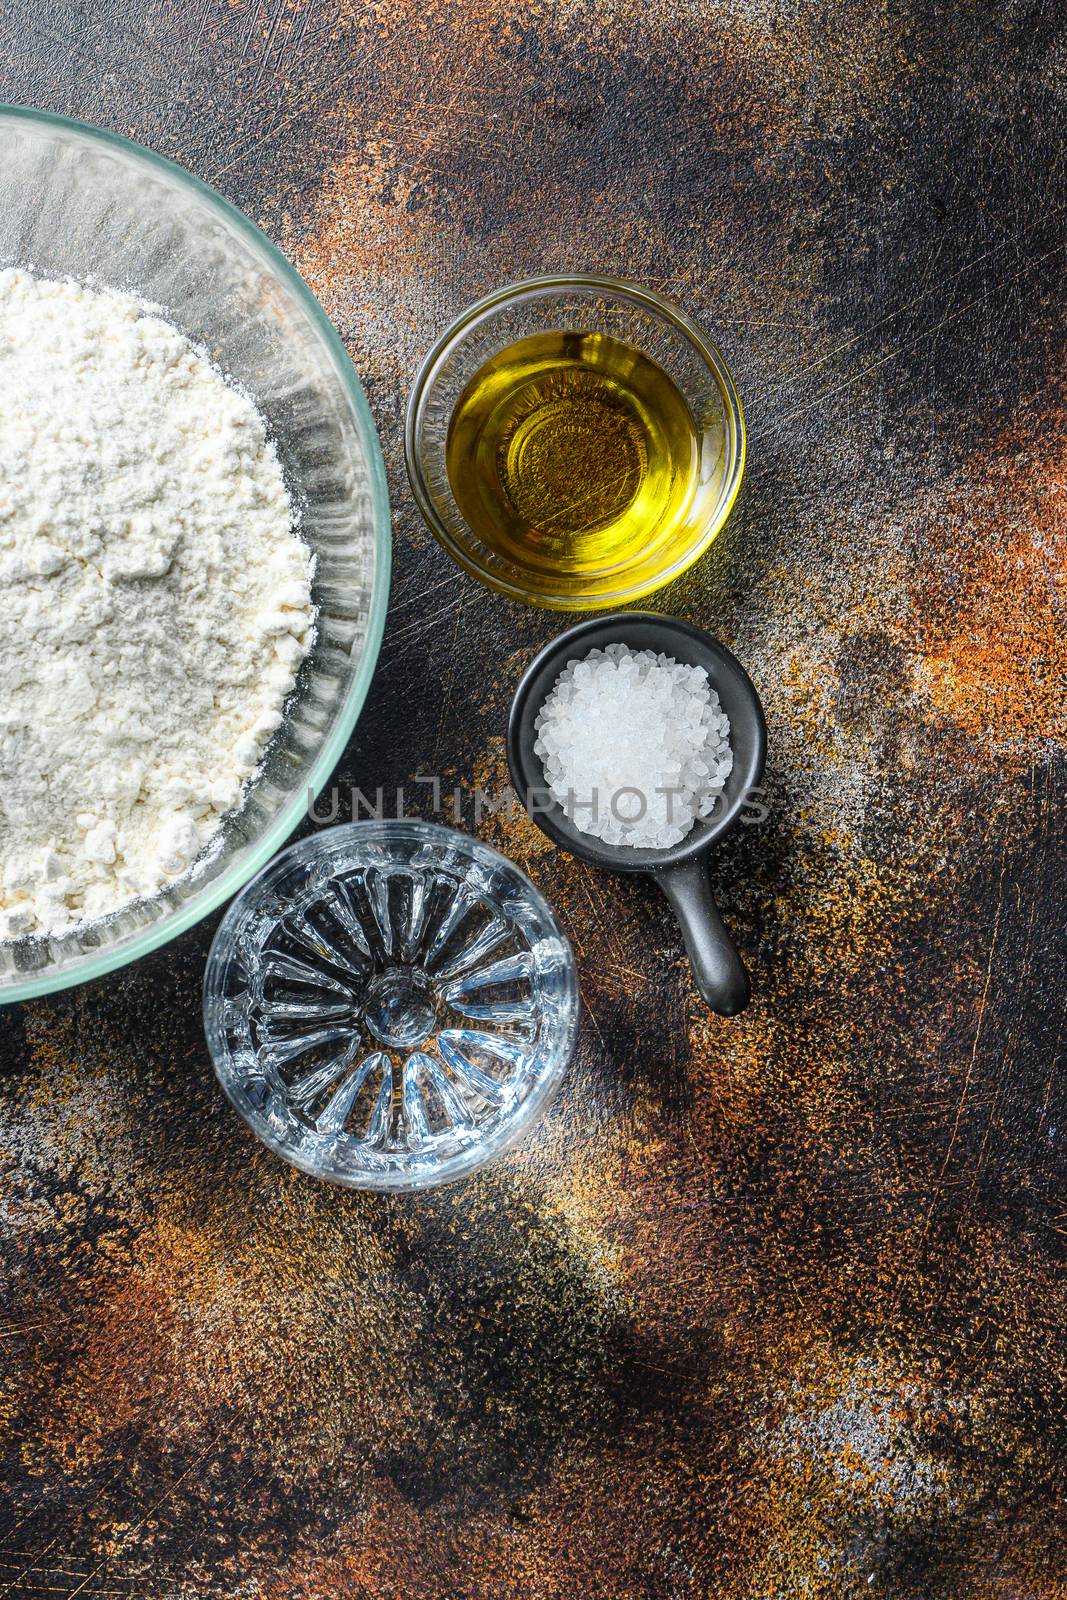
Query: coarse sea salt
{"points": [[635, 746]]}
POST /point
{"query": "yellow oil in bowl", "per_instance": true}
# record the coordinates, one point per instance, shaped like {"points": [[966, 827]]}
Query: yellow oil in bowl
{"points": [[575, 458]]}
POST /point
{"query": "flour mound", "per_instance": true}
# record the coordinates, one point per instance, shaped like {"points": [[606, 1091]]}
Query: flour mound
{"points": [[156, 601]]}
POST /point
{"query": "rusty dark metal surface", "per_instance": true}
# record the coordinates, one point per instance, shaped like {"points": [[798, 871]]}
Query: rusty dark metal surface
{"points": [[772, 1307]]}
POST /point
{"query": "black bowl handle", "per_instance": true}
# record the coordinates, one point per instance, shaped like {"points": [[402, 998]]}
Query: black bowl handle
{"points": [[719, 972]]}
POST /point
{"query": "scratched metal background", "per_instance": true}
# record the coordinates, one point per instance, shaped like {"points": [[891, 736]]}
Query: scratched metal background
{"points": [[769, 1308]]}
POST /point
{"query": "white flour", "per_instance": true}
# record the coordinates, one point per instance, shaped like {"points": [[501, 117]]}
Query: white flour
{"points": [[154, 601]]}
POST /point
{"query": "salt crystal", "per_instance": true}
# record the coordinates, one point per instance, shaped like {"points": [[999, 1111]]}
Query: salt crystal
{"points": [[621, 721]]}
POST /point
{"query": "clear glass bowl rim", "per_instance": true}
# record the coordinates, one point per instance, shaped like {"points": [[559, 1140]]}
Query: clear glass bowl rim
{"points": [[529, 289], [382, 832], [229, 882]]}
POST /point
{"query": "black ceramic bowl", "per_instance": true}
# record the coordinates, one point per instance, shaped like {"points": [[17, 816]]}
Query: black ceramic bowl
{"points": [[680, 870]]}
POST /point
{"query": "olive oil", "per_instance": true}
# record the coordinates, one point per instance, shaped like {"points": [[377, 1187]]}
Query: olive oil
{"points": [[576, 459]]}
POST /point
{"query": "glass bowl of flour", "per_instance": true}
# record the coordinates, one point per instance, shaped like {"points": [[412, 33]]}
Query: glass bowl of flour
{"points": [[194, 551]]}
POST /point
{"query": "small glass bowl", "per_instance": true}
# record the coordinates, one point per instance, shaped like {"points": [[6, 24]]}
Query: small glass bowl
{"points": [[580, 304], [390, 1005]]}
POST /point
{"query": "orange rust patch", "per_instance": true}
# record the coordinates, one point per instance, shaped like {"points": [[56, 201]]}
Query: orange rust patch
{"points": [[990, 609]]}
